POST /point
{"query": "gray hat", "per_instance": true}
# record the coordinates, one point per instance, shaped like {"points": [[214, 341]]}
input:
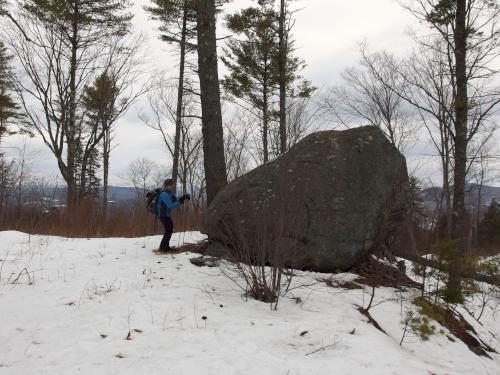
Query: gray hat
{"points": [[168, 181]]}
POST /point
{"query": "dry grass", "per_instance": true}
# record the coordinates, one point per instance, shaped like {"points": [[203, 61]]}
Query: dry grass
{"points": [[126, 220]]}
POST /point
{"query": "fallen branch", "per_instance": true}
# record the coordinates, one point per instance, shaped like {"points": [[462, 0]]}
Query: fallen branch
{"points": [[366, 313], [325, 347], [24, 271]]}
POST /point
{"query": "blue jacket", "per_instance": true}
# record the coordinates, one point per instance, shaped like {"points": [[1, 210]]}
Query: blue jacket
{"points": [[166, 202]]}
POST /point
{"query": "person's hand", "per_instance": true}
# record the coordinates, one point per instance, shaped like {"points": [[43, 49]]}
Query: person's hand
{"points": [[174, 198], [184, 198]]}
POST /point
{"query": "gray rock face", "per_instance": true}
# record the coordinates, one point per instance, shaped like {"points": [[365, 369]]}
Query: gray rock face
{"points": [[338, 195]]}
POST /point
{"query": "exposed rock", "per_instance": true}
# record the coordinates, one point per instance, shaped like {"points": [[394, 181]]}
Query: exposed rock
{"points": [[205, 261], [336, 195]]}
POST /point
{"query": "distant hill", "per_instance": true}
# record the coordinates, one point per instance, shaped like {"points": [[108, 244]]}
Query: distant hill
{"points": [[115, 193], [121, 193], [432, 196]]}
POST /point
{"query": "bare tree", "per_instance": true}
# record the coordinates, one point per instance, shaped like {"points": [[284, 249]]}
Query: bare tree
{"points": [[178, 19], [143, 175], [427, 85], [161, 115], [63, 54], [365, 98], [469, 32], [5, 12], [429, 90], [305, 115], [237, 130], [422, 81], [483, 170], [15, 176]]}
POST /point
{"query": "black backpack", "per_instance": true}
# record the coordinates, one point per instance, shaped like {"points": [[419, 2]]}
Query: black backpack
{"points": [[151, 198]]}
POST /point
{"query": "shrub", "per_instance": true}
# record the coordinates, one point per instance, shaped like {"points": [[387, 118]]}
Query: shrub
{"points": [[262, 250]]}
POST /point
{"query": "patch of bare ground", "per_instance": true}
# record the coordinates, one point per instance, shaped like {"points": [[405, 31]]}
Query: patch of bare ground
{"points": [[199, 248], [378, 274], [462, 330]]}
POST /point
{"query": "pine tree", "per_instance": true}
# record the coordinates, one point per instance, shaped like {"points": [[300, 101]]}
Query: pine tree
{"points": [[489, 228], [284, 26], [252, 64], [100, 103], [81, 18], [92, 180], [8, 107], [172, 14], [6, 180], [255, 72], [8, 113]]}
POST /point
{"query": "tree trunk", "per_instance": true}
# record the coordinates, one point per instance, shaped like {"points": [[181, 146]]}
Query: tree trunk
{"points": [[105, 161], [282, 77], [213, 138], [72, 198], [461, 111], [446, 195], [265, 125], [459, 225], [180, 96], [478, 211]]}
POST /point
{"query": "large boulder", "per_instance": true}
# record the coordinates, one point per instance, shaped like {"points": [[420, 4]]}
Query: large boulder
{"points": [[338, 194]]}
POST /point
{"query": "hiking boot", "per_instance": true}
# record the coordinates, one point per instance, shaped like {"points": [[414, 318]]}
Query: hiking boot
{"points": [[169, 250]]}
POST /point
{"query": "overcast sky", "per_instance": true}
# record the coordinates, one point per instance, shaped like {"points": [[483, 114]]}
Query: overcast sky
{"points": [[327, 34]]}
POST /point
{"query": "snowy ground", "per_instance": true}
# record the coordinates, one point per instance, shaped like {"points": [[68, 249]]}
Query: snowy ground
{"points": [[83, 297]]}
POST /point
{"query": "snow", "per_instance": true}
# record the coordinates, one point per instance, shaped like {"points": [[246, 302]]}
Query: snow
{"points": [[73, 314]]}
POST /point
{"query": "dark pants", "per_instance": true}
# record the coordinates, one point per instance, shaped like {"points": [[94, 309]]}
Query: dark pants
{"points": [[168, 225]]}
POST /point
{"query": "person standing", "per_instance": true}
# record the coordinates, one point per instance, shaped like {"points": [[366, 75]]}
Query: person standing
{"points": [[165, 204]]}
